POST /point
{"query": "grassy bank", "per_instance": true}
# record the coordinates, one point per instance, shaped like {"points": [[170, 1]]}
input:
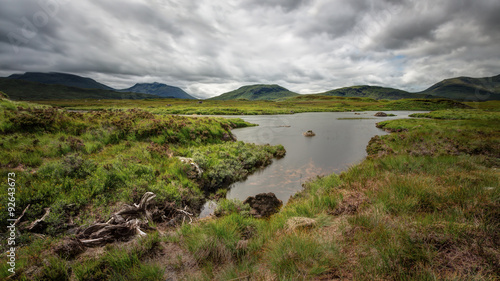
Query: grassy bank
{"points": [[424, 205], [85, 166], [237, 107]]}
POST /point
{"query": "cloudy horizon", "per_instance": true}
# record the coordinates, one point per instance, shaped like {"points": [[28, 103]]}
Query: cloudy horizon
{"points": [[208, 48]]}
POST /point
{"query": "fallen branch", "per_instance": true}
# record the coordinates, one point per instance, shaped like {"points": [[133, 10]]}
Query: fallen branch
{"points": [[35, 223], [130, 222], [22, 214], [186, 214], [122, 225]]}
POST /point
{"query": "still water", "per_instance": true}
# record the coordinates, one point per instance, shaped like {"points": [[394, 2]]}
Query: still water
{"points": [[338, 144]]}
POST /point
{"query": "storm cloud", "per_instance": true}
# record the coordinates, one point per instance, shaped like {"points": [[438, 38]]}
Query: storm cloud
{"points": [[210, 47]]}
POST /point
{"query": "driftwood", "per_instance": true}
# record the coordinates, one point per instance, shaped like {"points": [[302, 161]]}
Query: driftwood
{"points": [[131, 221], [22, 214], [37, 223]]}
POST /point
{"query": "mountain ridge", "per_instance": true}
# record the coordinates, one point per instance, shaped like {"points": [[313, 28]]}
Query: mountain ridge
{"points": [[59, 78], [257, 92], [458, 88], [466, 88], [374, 92], [51, 85], [158, 89], [26, 90]]}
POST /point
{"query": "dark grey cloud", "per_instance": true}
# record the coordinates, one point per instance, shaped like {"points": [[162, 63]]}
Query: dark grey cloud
{"points": [[425, 21], [333, 18], [209, 47], [286, 5]]}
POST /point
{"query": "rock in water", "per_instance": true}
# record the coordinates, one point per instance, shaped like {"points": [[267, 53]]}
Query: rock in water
{"points": [[381, 114], [263, 204], [309, 133]]}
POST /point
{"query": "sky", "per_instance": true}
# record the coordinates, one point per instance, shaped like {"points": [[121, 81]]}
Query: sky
{"points": [[211, 47]]}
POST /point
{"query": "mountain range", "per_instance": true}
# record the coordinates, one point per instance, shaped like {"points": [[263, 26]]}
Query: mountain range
{"points": [[460, 88], [54, 85], [26, 90]]}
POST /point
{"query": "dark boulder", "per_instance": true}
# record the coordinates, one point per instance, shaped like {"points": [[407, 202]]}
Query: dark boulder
{"points": [[263, 204], [381, 114]]}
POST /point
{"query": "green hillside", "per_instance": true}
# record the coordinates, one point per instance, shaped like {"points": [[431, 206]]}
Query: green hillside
{"points": [[374, 92], [467, 88], [257, 92], [25, 90], [158, 89], [57, 78]]}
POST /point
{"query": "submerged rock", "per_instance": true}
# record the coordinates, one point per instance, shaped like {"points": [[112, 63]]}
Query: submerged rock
{"points": [[263, 204], [381, 114], [309, 133]]}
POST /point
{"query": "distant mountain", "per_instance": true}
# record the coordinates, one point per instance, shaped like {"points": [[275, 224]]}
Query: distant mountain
{"points": [[65, 79], [78, 86], [25, 90], [159, 89], [374, 92], [257, 92], [466, 88]]}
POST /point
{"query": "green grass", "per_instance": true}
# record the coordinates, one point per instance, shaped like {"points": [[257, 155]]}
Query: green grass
{"points": [[301, 103], [122, 263], [224, 164], [487, 105], [85, 165], [301, 256], [424, 204]]}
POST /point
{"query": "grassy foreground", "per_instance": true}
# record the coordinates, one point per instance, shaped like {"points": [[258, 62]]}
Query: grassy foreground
{"points": [[424, 205]]}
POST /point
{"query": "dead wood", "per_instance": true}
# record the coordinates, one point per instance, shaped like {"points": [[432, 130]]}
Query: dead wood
{"points": [[37, 224], [131, 221], [22, 214]]}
